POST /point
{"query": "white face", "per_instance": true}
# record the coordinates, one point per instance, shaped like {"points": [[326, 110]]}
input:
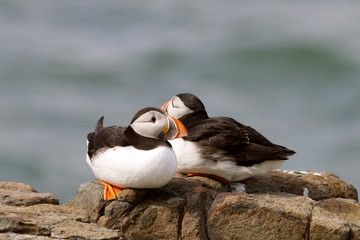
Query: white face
{"points": [[176, 108], [150, 124]]}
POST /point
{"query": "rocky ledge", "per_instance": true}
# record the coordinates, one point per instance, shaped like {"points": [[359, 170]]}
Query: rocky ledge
{"points": [[279, 205]]}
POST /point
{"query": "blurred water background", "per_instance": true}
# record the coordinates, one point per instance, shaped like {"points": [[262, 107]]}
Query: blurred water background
{"points": [[289, 69]]}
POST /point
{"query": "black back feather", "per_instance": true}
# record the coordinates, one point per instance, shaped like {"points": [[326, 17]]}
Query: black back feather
{"points": [[225, 135]]}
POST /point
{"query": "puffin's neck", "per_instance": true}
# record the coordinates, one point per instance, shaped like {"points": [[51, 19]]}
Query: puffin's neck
{"points": [[141, 142], [194, 117]]}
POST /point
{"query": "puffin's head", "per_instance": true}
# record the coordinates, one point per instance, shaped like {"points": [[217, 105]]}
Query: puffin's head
{"points": [[155, 123], [183, 104]]}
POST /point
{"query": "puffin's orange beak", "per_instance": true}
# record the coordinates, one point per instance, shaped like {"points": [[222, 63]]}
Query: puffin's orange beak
{"points": [[176, 129], [164, 106]]}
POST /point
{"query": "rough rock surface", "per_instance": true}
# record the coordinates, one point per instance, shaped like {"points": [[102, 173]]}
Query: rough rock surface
{"points": [[21, 194], [26, 214], [279, 205], [315, 184]]}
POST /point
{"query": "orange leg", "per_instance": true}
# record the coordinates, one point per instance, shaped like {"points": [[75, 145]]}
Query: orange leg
{"points": [[220, 179], [110, 191]]}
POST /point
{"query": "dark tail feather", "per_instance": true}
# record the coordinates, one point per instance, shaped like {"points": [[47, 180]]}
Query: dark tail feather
{"points": [[99, 124], [291, 152], [255, 152], [283, 153], [286, 152], [91, 136]]}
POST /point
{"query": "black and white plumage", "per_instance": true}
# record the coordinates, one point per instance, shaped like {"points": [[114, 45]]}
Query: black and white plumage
{"points": [[137, 156], [220, 146]]}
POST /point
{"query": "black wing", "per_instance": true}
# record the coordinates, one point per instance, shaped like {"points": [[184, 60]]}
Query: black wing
{"points": [[242, 143], [105, 137], [216, 132]]}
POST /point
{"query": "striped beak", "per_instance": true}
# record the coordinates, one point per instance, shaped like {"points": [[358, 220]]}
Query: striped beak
{"points": [[165, 105], [175, 129]]}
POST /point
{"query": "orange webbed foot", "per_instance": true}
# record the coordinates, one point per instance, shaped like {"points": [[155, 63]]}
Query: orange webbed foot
{"points": [[110, 191], [220, 179]]}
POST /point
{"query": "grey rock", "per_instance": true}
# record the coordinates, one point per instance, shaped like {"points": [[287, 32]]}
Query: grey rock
{"points": [[16, 186], [244, 216], [27, 217], [198, 202], [79, 230], [307, 205], [19, 236], [329, 226], [335, 218], [37, 219], [316, 185], [21, 194], [114, 211], [89, 198]]}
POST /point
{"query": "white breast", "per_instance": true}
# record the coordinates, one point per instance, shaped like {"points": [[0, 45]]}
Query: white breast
{"points": [[190, 160], [188, 156], [130, 167]]}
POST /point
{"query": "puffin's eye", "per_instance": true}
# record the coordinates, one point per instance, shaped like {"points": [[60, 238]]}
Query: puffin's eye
{"points": [[153, 120]]}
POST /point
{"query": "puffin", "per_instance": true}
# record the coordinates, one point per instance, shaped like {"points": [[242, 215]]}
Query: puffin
{"points": [[220, 147], [137, 156]]}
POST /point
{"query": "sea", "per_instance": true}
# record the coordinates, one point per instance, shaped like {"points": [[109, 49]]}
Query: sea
{"points": [[289, 69]]}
